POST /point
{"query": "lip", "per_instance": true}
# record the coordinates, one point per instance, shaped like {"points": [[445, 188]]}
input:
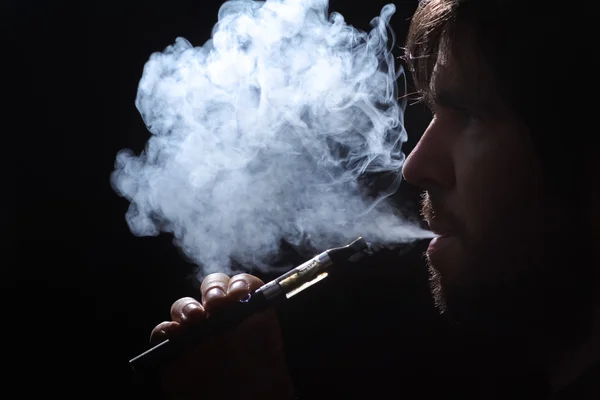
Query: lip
{"points": [[440, 245], [439, 228]]}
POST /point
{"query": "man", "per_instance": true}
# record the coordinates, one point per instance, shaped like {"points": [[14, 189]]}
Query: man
{"points": [[516, 262]]}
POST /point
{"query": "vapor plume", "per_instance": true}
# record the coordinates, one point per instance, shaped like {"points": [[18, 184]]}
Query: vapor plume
{"points": [[264, 134]]}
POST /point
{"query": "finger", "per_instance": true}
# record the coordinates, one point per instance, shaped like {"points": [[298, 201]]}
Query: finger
{"points": [[187, 309], [214, 291], [241, 285], [164, 331]]}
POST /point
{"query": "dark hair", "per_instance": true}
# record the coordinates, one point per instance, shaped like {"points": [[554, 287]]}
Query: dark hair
{"points": [[532, 48], [515, 38]]}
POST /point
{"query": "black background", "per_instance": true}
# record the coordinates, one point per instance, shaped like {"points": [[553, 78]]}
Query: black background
{"points": [[83, 293]]}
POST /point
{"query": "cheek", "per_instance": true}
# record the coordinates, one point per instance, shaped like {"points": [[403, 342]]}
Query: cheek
{"points": [[495, 179]]}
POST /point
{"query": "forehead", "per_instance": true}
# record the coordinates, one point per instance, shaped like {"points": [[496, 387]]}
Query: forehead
{"points": [[462, 70]]}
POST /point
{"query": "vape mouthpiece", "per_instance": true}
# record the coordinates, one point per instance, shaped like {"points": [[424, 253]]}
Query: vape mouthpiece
{"points": [[351, 252], [273, 292]]}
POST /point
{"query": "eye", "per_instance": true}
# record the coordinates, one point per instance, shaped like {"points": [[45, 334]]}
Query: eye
{"points": [[454, 117], [465, 113]]}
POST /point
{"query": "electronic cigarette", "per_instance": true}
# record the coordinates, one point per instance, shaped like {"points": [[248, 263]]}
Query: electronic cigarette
{"points": [[268, 295]]}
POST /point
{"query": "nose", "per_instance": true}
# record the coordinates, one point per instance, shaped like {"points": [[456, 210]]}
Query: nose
{"points": [[430, 165]]}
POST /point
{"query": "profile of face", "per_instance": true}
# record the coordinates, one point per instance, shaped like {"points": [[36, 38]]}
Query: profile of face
{"points": [[481, 179]]}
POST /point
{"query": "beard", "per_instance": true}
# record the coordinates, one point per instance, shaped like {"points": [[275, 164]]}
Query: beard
{"points": [[516, 282]]}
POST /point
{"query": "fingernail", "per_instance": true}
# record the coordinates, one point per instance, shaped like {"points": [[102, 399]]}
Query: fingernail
{"points": [[214, 292], [189, 307], [158, 337], [239, 285], [239, 290], [187, 312]]}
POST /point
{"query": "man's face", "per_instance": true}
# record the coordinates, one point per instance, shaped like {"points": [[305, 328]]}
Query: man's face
{"points": [[480, 175]]}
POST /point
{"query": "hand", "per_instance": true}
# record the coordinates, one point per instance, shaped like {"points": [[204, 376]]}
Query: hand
{"points": [[246, 363]]}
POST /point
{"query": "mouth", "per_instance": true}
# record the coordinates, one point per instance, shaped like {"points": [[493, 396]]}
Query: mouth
{"points": [[438, 244], [440, 229], [445, 238]]}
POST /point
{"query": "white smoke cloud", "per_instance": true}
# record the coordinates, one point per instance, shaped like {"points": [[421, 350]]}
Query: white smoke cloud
{"points": [[263, 133]]}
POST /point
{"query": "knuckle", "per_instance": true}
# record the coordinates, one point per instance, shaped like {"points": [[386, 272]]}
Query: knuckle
{"points": [[214, 280], [243, 277], [159, 332], [160, 327], [252, 281], [217, 276], [178, 305]]}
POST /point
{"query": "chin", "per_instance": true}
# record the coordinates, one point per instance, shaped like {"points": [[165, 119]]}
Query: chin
{"points": [[437, 289]]}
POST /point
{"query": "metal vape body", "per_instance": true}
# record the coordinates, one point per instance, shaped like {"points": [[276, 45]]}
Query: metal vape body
{"points": [[297, 279]]}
